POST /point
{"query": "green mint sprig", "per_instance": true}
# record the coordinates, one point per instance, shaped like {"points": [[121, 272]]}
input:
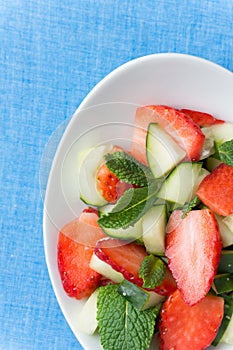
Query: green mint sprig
{"points": [[152, 271], [128, 169], [120, 324], [188, 206], [225, 151], [130, 207]]}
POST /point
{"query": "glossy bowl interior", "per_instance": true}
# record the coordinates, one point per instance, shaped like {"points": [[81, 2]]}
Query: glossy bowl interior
{"points": [[107, 115]]}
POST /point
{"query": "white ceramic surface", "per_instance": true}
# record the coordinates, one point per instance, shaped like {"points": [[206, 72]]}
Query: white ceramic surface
{"points": [[107, 114]]}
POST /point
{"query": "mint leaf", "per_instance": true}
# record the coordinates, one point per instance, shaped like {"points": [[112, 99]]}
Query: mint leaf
{"points": [[120, 325], [128, 169], [130, 207], [225, 151], [133, 293], [188, 206], [216, 147], [152, 271]]}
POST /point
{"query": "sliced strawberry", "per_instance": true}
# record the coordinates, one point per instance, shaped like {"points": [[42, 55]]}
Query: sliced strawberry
{"points": [[177, 124], [201, 118], [85, 229], [193, 248], [216, 190], [138, 144], [108, 184], [189, 327], [168, 286], [124, 258], [90, 210], [75, 248], [127, 259]]}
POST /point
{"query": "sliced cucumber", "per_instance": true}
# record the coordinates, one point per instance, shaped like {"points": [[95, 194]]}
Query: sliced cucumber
{"points": [[228, 334], [87, 169], [223, 283], [105, 269], [87, 317], [221, 132], [154, 228], [130, 233], [208, 148], [212, 163], [228, 220], [163, 153], [202, 174], [105, 209], [181, 183], [225, 331], [226, 262], [139, 297], [226, 233]]}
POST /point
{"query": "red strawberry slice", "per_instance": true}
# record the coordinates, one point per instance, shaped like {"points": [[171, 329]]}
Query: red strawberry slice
{"points": [[75, 248], [90, 210], [201, 118], [216, 190], [127, 259], [193, 248], [177, 124], [108, 184], [168, 286], [189, 327], [124, 258]]}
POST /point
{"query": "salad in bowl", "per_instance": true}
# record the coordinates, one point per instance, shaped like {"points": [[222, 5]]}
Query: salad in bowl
{"points": [[138, 216]]}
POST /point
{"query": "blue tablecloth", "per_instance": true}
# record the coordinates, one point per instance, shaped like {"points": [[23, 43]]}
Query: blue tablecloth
{"points": [[52, 54]]}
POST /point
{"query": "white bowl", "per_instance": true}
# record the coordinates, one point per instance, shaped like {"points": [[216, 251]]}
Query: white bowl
{"points": [[107, 114]]}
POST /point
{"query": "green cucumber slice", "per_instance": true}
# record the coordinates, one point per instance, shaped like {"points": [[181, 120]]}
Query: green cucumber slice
{"points": [[228, 334], [87, 168], [87, 318], [130, 233], [105, 269], [221, 132], [228, 220], [163, 153], [212, 163], [226, 233], [223, 283], [208, 147], [225, 331], [180, 185], [154, 229], [226, 262], [105, 209], [139, 297], [202, 174]]}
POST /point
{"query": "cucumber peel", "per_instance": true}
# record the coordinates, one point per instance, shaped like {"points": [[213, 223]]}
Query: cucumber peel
{"points": [[139, 297], [223, 283], [226, 262], [225, 331], [87, 169]]}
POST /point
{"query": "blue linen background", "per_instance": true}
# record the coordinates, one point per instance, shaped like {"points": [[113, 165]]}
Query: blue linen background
{"points": [[52, 54]]}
